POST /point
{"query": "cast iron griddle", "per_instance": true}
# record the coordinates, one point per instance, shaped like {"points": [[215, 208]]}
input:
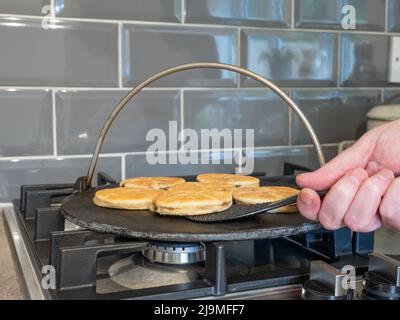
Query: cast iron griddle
{"points": [[79, 209]]}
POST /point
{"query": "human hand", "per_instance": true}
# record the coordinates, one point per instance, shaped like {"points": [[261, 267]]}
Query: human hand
{"points": [[364, 193]]}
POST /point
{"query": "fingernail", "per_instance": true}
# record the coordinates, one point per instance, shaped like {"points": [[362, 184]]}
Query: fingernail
{"points": [[306, 199]]}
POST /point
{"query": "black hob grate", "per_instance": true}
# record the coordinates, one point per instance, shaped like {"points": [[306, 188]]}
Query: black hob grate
{"points": [[81, 258]]}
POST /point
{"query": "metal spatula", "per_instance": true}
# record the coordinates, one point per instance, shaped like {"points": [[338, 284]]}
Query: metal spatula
{"points": [[239, 211]]}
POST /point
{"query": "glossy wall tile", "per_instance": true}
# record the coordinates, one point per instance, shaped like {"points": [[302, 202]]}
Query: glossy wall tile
{"points": [[290, 58], [394, 15], [81, 114], [150, 49], [139, 165], [272, 161], [151, 10], [262, 13], [31, 7], [14, 173], [262, 111], [25, 123], [70, 54], [363, 60], [336, 116], [327, 14]]}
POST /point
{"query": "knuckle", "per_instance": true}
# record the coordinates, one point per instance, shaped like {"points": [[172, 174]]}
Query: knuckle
{"points": [[390, 216], [339, 192], [353, 223], [372, 186], [327, 222]]}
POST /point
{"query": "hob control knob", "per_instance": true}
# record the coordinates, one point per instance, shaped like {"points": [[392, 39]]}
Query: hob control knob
{"points": [[382, 281], [325, 283]]}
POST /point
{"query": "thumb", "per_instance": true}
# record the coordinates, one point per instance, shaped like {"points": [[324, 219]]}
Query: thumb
{"points": [[322, 179]]}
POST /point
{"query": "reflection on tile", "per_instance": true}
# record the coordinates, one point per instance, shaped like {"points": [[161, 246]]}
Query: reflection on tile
{"points": [[392, 96], [271, 161], [14, 173], [336, 115], [394, 16], [70, 54], [150, 49], [81, 114], [25, 123], [262, 111], [180, 164], [290, 58], [327, 14], [364, 60], [153, 10], [263, 13], [31, 7]]}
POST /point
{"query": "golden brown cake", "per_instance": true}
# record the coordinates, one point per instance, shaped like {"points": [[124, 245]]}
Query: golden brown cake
{"points": [[193, 201], [151, 182], [232, 179], [259, 195], [126, 198]]}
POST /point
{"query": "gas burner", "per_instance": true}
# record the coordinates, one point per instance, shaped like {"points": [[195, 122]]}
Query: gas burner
{"points": [[382, 281], [174, 252], [136, 272]]}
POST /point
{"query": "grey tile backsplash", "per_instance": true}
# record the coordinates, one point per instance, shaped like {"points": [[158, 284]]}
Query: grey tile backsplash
{"points": [[69, 54], [261, 13], [14, 173], [335, 115], [261, 110], [31, 7], [148, 10], [62, 71], [25, 123], [290, 58], [81, 114], [364, 60], [271, 161], [327, 14], [138, 165], [394, 15], [166, 47]]}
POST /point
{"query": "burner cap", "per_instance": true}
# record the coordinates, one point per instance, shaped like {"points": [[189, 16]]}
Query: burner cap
{"points": [[174, 252], [377, 287]]}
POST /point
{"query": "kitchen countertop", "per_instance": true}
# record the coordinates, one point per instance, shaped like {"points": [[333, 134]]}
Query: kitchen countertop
{"points": [[10, 282], [11, 287]]}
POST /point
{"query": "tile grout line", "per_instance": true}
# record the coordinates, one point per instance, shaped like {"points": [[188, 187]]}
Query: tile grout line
{"points": [[239, 55], [123, 167], [197, 25], [183, 11], [53, 9], [54, 122], [182, 117], [386, 16], [138, 153], [190, 88], [292, 8], [338, 60], [290, 114], [239, 160], [120, 84]]}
